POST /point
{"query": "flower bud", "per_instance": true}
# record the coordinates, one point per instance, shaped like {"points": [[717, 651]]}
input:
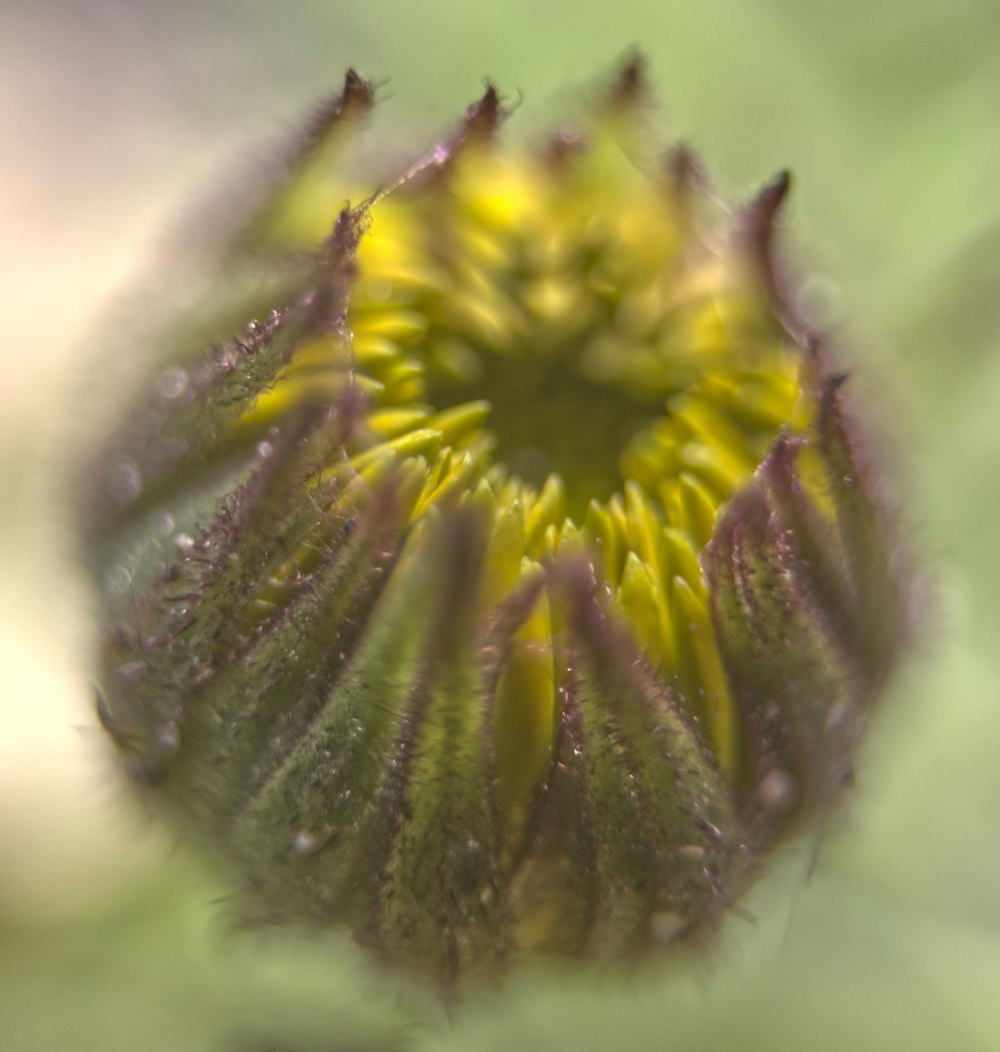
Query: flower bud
{"points": [[511, 581]]}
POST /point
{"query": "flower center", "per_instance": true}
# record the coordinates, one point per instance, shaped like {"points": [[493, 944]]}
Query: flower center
{"points": [[609, 348], [550, 418]]}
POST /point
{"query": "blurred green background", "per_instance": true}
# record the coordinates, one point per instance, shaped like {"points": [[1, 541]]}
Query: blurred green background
{"points": [[116, 112]]}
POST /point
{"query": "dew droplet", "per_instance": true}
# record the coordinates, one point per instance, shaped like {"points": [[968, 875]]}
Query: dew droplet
{"points": [[227, 360], [118, 580], [169, 738], [173, 384], [184, 543], [125, 481], [666, 926], [777, 791], [304, 843], [264, 450], [836, 717], [163, 524]]}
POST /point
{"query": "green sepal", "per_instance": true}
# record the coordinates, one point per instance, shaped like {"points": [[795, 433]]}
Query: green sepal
{"points": [[382, 814], [170, 439], [866, 538], [186, 622], [635, 841], [238, 726], [802, 695]]}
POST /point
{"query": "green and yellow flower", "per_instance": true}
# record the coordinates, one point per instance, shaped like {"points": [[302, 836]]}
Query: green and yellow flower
{"points": [[511, 582]]}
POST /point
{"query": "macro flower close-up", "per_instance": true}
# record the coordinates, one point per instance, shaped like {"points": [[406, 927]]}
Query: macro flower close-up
{"points": [[493, 562]]}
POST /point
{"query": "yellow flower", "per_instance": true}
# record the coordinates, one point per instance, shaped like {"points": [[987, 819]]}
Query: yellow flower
{"points": [[511, 583]]}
